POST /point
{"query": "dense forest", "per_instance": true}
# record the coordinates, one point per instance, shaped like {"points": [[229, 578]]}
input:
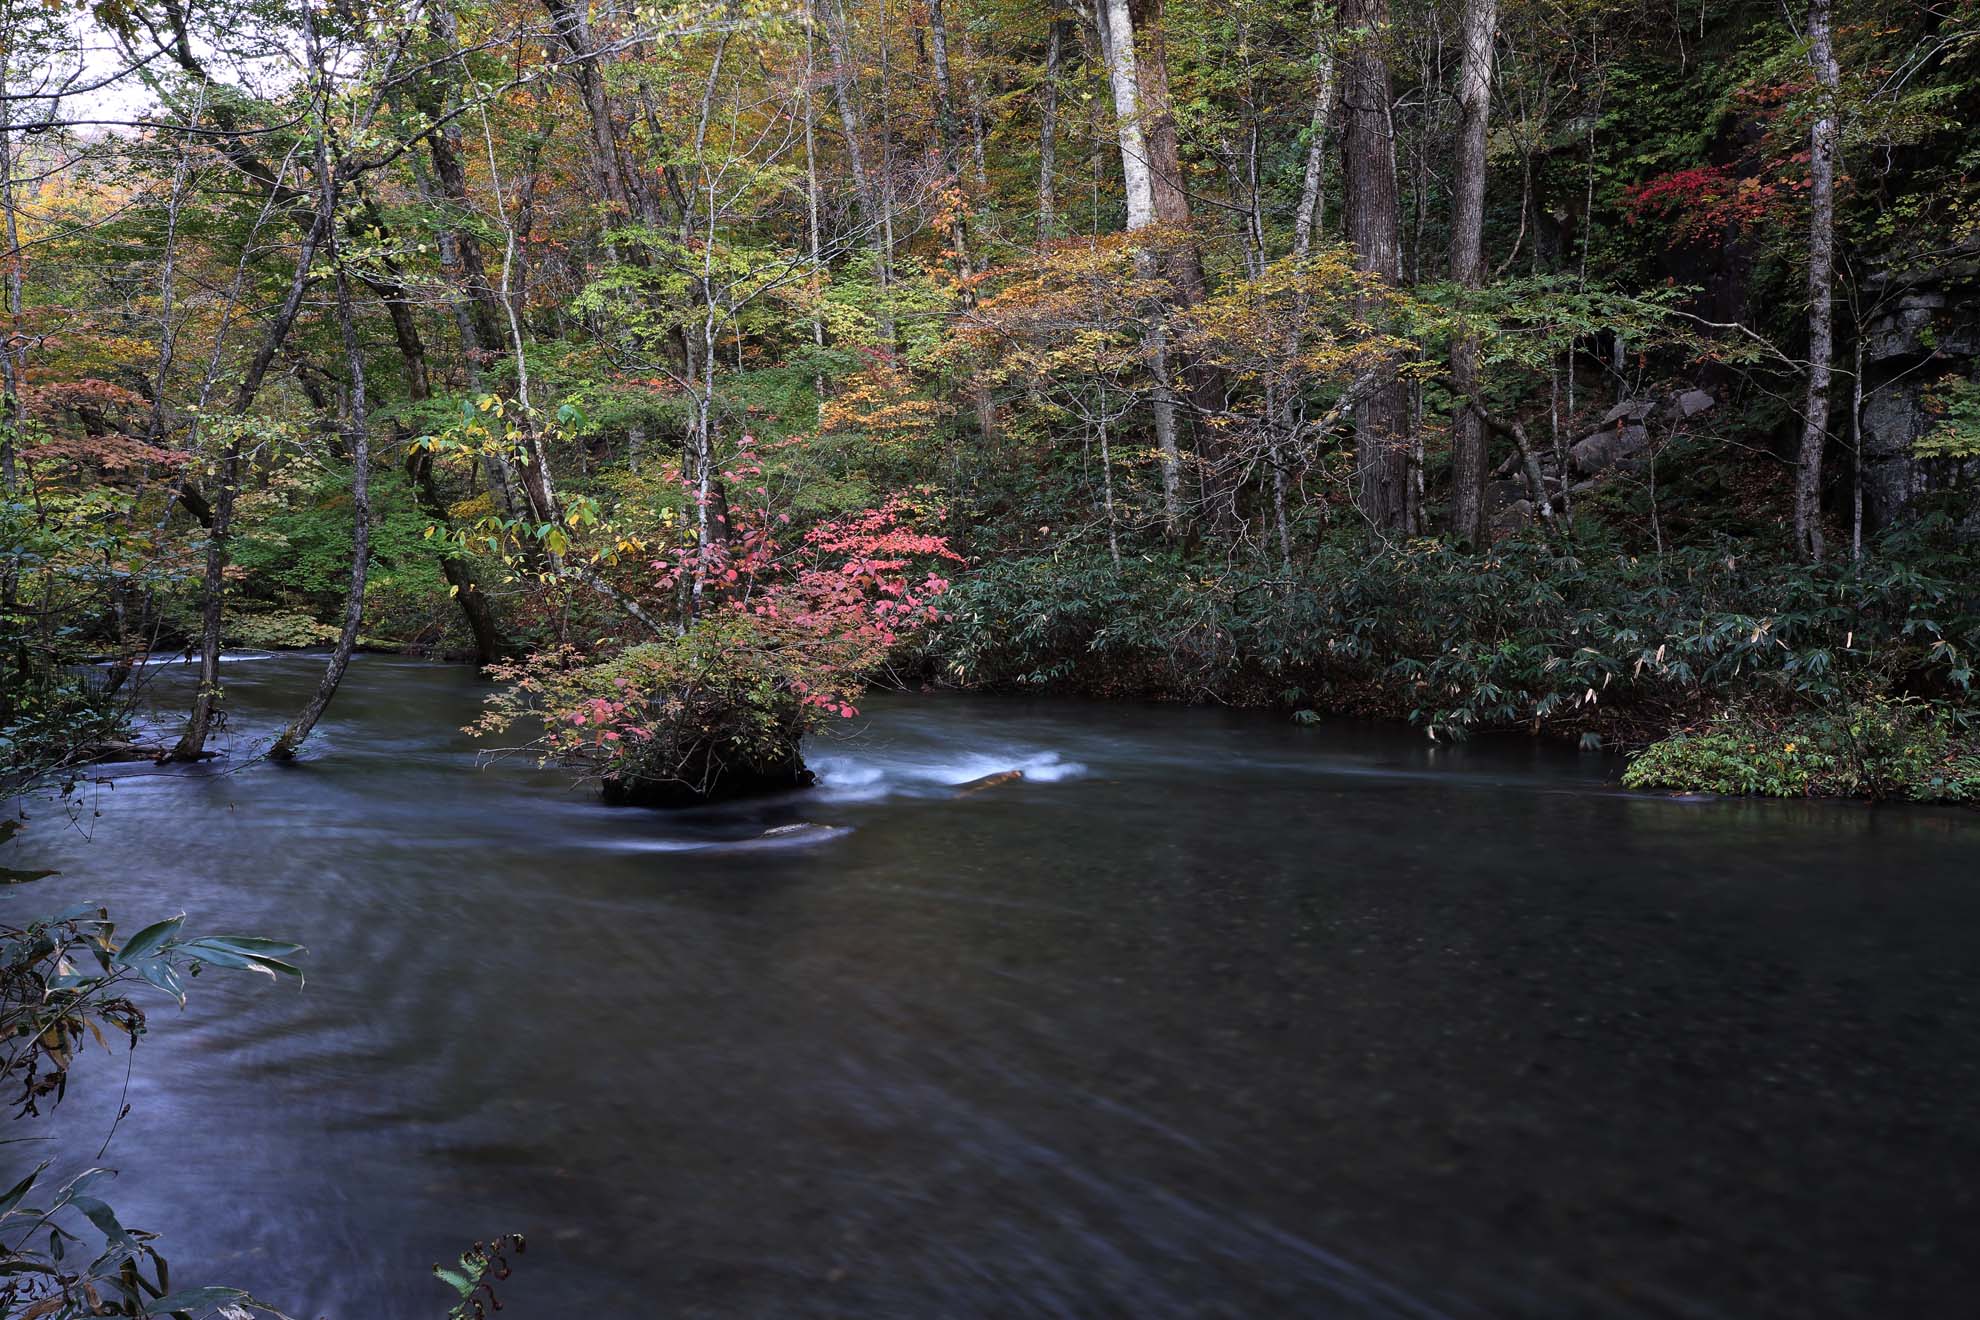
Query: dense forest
{"points": [[1593, 371], [1600, 370]]}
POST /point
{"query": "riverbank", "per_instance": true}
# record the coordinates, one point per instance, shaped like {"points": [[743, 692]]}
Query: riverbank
{"points": [[1714, 671], [1708, 666]]}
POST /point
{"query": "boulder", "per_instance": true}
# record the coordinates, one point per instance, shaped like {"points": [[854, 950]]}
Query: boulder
{"points": [[1629, 410], [1603, 450], [1692, 402], [703, 784], [1512, 517]]}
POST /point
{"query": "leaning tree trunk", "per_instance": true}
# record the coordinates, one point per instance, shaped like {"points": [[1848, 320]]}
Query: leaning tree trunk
{"points": [[1481, 18], [1368, 172], [359, 448], [357, 443], [356, 434], [206, 699], [1821, 276]]}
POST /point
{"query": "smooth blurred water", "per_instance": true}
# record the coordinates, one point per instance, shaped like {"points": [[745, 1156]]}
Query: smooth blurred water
{"points": [[1209, 1015]]}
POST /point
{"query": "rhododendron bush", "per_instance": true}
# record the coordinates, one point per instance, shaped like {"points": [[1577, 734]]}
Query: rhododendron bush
{"points": [[784, 644]]}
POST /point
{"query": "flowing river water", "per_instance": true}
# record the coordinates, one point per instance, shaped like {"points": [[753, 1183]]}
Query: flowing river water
{"points": [[1208, 1015]]}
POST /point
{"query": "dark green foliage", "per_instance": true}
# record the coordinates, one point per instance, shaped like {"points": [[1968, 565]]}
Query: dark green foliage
{"points": [[1530, 634], [482, 1266], [67, 981], [1877, 748], [300, 553]]}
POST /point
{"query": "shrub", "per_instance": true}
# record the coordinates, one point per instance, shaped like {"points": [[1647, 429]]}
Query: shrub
{"points": [[1876, 748], [718, 712], [784, 642], [1528, 634], [277, 630]]}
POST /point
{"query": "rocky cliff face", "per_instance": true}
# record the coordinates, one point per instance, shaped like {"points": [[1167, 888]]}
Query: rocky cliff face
{"points": [[1924, 327]]}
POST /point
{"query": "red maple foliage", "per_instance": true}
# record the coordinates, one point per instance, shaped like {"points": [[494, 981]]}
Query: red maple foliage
{"points": [[1708, 203]]}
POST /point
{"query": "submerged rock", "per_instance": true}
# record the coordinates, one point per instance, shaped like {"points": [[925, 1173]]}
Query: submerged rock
{"points": [[803, 832], [706, 780], [988, 781]]}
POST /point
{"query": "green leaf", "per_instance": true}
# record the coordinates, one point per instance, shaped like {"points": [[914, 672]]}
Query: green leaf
{"points": [[12, 1196], [192, 1299], [147, 942], [459, 1282], [163, 975], [222, 956], [248, 946], [105, 1219]]}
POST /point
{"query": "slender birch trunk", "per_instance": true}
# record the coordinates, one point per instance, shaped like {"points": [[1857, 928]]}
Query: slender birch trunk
{"points": [[875, 209], [811, 203], [1116, 32], [1312, 191], [1821, 280]]}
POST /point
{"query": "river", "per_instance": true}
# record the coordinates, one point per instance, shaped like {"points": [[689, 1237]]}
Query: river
{"points": [[1209, 1015]]}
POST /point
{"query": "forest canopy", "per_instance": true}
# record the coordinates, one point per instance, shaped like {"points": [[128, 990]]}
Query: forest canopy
{"points": [[1496, 364]]}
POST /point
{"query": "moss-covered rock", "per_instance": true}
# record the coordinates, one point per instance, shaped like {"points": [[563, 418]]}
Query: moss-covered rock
{"points": [[720, 712]]}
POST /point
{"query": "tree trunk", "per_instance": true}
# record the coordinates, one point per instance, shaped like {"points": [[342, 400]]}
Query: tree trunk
{"points": [[1048, 131], [1481, 19], [489, 644], [615, 174], [813, 231], [460, 250], [1368, 171], [206, 698], [1203, 382], [13, 364], [1171, 197], [1116, 32], [356, 430], [1821, 277], [1312, 193], [950, 132], [357, 441], [478, 316], [875, 207]]}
